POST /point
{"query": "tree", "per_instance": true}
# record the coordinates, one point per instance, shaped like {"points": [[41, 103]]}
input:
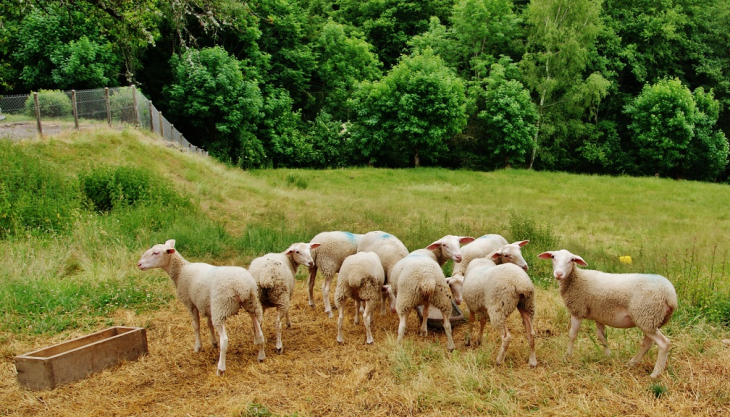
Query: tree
{"points": [[560, 37], [412, 111], [662, 124], [209, 89], [707, 155], [510, 117], [342, 62], [85, 64]]}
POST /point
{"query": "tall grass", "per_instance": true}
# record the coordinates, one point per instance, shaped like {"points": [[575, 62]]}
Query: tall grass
{"points": [[223, 215]]}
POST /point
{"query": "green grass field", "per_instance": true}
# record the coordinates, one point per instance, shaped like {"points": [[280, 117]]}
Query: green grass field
{"points": [[72, 274]]}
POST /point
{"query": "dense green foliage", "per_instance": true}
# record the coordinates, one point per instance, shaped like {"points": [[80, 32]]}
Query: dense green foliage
{"points": [[288, 83]]}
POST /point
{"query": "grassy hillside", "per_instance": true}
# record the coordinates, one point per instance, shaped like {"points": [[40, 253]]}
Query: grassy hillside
{"points": [[68, 268]]}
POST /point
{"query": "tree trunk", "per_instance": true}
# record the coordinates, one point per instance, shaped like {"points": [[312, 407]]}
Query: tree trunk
{"points": [[537, 131], [416, 159]]}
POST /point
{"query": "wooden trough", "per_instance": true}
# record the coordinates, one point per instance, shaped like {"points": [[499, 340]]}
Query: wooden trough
{"points": [[436, 319], [76, 359]]}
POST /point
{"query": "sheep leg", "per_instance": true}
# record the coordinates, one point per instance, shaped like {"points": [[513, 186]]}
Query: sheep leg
{"points": [[506, 338], [326, 296], [447, 327], [340, 319], [367, 318], [530, 334], [663, 344], [472, 318], [258, 336], [645, 346], [288, 322], [403, 315], [224, 348], [213, 340], [601, 333], [196, 328], [574, 327], [482, 323], [358, 310], [424, 329], [281, 313], [383, 302], [310, 283]]}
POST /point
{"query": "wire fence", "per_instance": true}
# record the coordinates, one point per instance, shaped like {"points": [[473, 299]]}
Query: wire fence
{"points": [[51, 112]]}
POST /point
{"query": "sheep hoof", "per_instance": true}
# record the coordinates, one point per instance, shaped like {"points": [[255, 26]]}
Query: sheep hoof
{"points": [[533, 364], [261, 359], [340, 341], [280, 350], [369, 342], [654, 375], [220, 372], [329, 314], [632, 364]]}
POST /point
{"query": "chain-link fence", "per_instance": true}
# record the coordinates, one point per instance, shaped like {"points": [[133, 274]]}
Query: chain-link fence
{"points": [[50, 112]]}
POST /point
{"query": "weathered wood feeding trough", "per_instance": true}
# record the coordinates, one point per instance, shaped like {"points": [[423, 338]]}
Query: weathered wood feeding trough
{"points": [[78, 358], [436, 319]]}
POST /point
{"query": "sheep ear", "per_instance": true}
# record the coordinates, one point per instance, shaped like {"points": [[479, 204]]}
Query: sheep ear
{"points": [[522, 243], [434, 245], [495, 256], [385, 288], [314, 245], [466, 239], [545, 255], [577, 259], [170, 250], [170, 243]]}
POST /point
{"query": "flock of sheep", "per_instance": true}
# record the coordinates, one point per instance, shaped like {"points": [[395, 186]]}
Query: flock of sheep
{"points": [[376, 268]]}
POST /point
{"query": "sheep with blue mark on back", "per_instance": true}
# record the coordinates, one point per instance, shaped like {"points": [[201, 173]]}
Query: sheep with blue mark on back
{"points": [[646, 301], [328, 258]]}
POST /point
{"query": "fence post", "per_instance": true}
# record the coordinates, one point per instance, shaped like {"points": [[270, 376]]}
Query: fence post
{"points": [[108, 108], [152, 120], [76, 110], [38, 113], [134, 103], [162, 130]]}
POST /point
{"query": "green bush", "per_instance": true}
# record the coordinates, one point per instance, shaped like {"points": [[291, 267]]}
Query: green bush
{"points": [[35, 196], [107, 188], [52, 103]]}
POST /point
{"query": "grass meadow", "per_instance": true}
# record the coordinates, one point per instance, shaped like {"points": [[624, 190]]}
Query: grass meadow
{"points": [[67, 267]]}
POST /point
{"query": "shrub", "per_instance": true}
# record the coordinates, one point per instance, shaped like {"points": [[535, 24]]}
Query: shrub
{"points": [[35, 196], [52, 103], [107, 188], [121, 105]]}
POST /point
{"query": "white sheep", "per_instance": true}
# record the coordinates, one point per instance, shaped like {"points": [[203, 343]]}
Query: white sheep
{"points": [[485, 245], [274, 275], [418, 279], [645, 301], [389, 249], [217, 292], [361, 278], [328, 257], [496, 291]]}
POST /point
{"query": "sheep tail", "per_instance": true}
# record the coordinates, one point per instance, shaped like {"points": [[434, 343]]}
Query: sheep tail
{"points": [[527, 299], [427, 287]]}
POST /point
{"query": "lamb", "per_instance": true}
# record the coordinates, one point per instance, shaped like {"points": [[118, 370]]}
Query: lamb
{"points": [[218, 292], [485, 245], [495, 291], [361, 278], [645, 301], [274, 275], [334, 248], [418, 279], [389, 249]]}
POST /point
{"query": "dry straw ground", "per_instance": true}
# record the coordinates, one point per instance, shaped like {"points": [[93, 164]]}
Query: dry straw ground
{"points": [[660, 222], [316, 376]]}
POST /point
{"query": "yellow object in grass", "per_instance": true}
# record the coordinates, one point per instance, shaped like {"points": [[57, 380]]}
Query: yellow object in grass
{"points": [[625, 259]]}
